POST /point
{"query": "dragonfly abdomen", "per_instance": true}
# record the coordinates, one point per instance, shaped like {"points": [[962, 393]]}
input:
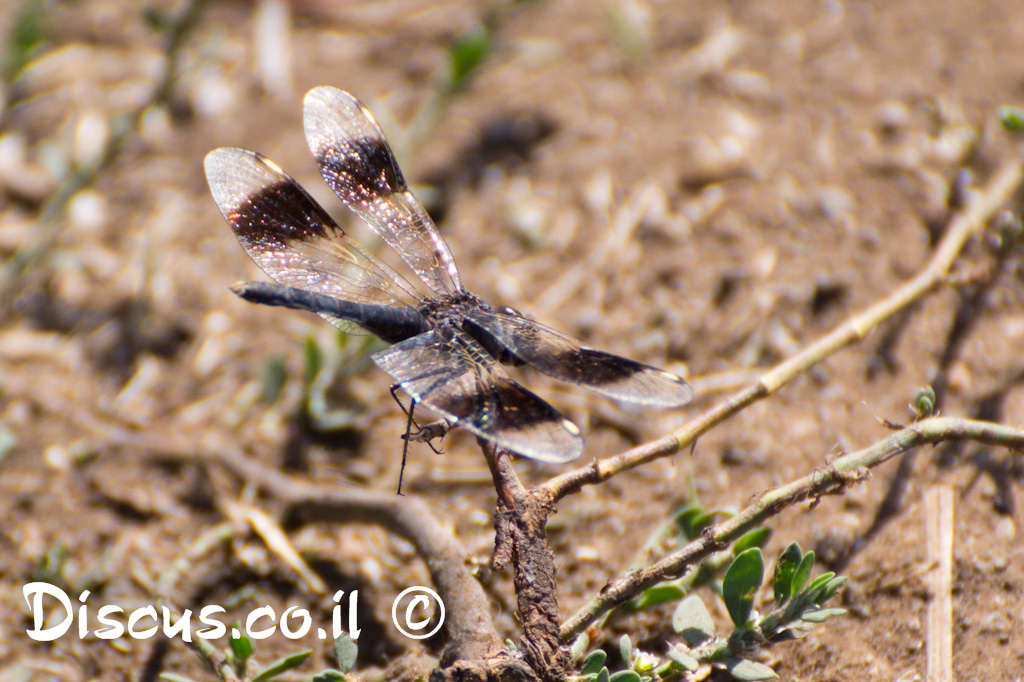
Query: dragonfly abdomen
{"points": [[389, 323]]}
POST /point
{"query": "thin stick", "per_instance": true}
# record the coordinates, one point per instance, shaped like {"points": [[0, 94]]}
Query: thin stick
{"points": [[471, 634], [832, 479], [938, 509], [961, 228]]}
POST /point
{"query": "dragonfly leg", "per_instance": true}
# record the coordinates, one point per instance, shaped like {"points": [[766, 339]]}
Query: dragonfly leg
{"points": [[423, 434], [408, 428]]}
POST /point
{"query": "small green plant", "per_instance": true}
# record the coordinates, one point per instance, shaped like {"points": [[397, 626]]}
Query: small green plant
{"points": [[465, 55], [275, 374], [924, 402], [685, 526], [1012, 119], [26, 37], [797, 607], [237, 663], [324, 367], [345, 652]]}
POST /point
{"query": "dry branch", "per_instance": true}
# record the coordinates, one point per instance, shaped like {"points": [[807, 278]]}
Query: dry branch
{"points": [[468, 623], [522, 537], [833, 478], [469, 628]]}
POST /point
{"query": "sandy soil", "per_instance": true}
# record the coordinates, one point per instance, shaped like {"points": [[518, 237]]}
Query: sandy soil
{"points": [[706, 187]]}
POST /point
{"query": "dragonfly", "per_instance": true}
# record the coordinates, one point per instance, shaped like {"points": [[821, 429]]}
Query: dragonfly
{"points": [[448, 348]]}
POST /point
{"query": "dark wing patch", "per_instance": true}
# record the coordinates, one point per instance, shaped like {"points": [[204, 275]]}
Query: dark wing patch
{"points": [[566, 359], [453, 375], [293, 239], [356, 161]]}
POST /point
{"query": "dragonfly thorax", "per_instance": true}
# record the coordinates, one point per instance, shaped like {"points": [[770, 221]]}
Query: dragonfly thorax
{"points": [[447, 313], [441, 309]]}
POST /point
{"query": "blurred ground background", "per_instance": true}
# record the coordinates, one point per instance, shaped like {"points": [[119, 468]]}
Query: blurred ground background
{"points": [[705, 187]]}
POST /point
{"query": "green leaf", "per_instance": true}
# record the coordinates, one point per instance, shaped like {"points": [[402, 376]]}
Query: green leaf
{"points": [[465, 55], [280, 665], [819, 583], [275, 373], [693, 622], [815, 592], [684, 518], [821, 615], [602, 675], [923, 404], [785, 567], [314, 358], [755, 538], [796, 628], [821, 580], [592, 677], [803, 572], [702, 521], [626, 650], [742, 579], [830, 590], [1012, 119], [784, 636], [25, 36], [683, 660], [329, 676], [748, 671], [593, 662], [625, 676], [345, 652], [659, 594], [241, 647]]}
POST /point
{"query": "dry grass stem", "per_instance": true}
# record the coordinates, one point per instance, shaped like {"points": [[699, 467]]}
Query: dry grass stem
{"points": [[832, 478], [938, 509], [277, 542]]}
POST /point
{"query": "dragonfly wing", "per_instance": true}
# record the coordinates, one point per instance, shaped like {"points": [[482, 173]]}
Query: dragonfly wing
{"points": [[292, 238], [566, 359], [356, 161], [453, 375]]}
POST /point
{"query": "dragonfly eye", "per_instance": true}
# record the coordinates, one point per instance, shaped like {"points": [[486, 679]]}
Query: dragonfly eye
{"points": [[511, 311]]}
